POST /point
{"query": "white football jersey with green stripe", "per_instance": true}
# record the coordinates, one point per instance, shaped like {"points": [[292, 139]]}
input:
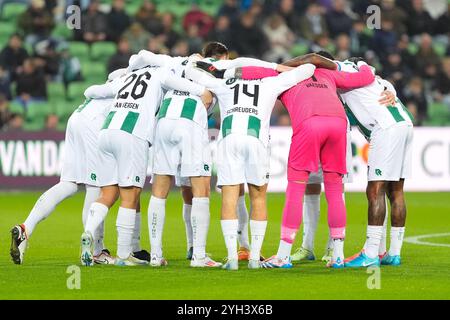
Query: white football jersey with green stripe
{"points": [[183, 105], [363, 107]]}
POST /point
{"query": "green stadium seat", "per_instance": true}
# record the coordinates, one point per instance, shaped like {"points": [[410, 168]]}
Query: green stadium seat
{"points": [[62, 32], [103, 50], [76, 91], [12, 10], [7, 29], [38, 110], [440, 49], [16, 107], [56, 90], [79, 49], [438, 114], [299, 49], [34, 125], [132, 7], [413, 48]]}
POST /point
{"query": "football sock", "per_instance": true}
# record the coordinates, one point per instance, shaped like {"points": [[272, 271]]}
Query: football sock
{"points": [[187, 208], [374, 235], [284, 250], [125, 226], [311, 213], [137, 233], [338, 249], [47, 203], [92, 194], [229, 230], [97, 215], [397, 234], [258, 230], [156, 217], [382, 249], [243, 223], [200, 225]]}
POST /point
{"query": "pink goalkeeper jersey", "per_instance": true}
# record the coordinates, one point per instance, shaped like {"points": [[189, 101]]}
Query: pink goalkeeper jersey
{"points": [[316, 96]]}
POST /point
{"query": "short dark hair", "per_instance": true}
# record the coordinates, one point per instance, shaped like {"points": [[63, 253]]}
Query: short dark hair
{"points": [[214, 49], [325, 54]]}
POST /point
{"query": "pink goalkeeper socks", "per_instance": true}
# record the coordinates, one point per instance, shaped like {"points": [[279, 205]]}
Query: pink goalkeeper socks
{"points": [[293, 211]]}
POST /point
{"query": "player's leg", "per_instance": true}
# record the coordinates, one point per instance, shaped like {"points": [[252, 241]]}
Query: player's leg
{"points": [[336, 215], [125, 224], [95, 219], [258, 222], [242, 212], [186, 193], [139, 254], [43, 207], [156, 217], [311, 213], [398, 218], [229, 223]]}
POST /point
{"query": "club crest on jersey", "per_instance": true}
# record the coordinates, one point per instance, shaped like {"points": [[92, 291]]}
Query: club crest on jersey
{"points": [[93, 177], [378, 172], [206, 167], [137, 179], [231, 81]]}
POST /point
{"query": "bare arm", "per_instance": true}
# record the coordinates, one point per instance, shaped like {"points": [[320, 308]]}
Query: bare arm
{"points": [[313, 58]]}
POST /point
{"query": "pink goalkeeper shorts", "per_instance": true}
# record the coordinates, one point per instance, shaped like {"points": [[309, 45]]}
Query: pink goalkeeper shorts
{"points": [[320, 139]]}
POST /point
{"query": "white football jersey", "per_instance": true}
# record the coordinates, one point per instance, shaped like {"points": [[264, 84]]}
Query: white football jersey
{"points": [[246, 105], [137, 102], [363, 105]]}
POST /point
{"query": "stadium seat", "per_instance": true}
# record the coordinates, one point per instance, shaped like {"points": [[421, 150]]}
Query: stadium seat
{"points": [[16, 107], [132, 7], [62, 32], [440, 49], [79, 49], [34, 125], [299, 49], [76, 90], [438, 114], [103, 50], [6, 30], [413, 48], [12, 10], [38, 110], [56, 90]]}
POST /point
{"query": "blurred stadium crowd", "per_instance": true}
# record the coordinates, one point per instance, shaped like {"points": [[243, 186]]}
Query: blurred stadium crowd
{"points": [[45, 67]]}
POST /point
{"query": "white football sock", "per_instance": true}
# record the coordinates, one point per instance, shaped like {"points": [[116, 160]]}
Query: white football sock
{"points": [[338, 250], [374, 234], [96, 217], [47, 203], [243, 223], [258, 231], [230, 230], [156, 218], [382, 249], [200, 225], [284, 250], [125, 225], [92, 194], [397, 234], [311, 213], [136, 243], [187, 209]]}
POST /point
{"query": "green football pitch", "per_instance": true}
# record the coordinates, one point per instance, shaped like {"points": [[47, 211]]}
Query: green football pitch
{"points": [[54, 247]]}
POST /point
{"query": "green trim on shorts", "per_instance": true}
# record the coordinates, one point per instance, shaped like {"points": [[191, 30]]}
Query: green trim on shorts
{"points": [[108, 119], [130, 122], [189, 107]]}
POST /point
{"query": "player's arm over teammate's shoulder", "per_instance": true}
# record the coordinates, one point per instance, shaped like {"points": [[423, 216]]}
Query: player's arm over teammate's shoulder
{"points": [[313, 58], [288, 79], [350, 80]]}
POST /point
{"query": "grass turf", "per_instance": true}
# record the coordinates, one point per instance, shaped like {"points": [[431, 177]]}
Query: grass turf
{"points": [[425, 273]]}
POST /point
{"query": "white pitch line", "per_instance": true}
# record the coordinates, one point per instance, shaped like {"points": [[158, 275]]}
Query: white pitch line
{"points": [[418, 240]]}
